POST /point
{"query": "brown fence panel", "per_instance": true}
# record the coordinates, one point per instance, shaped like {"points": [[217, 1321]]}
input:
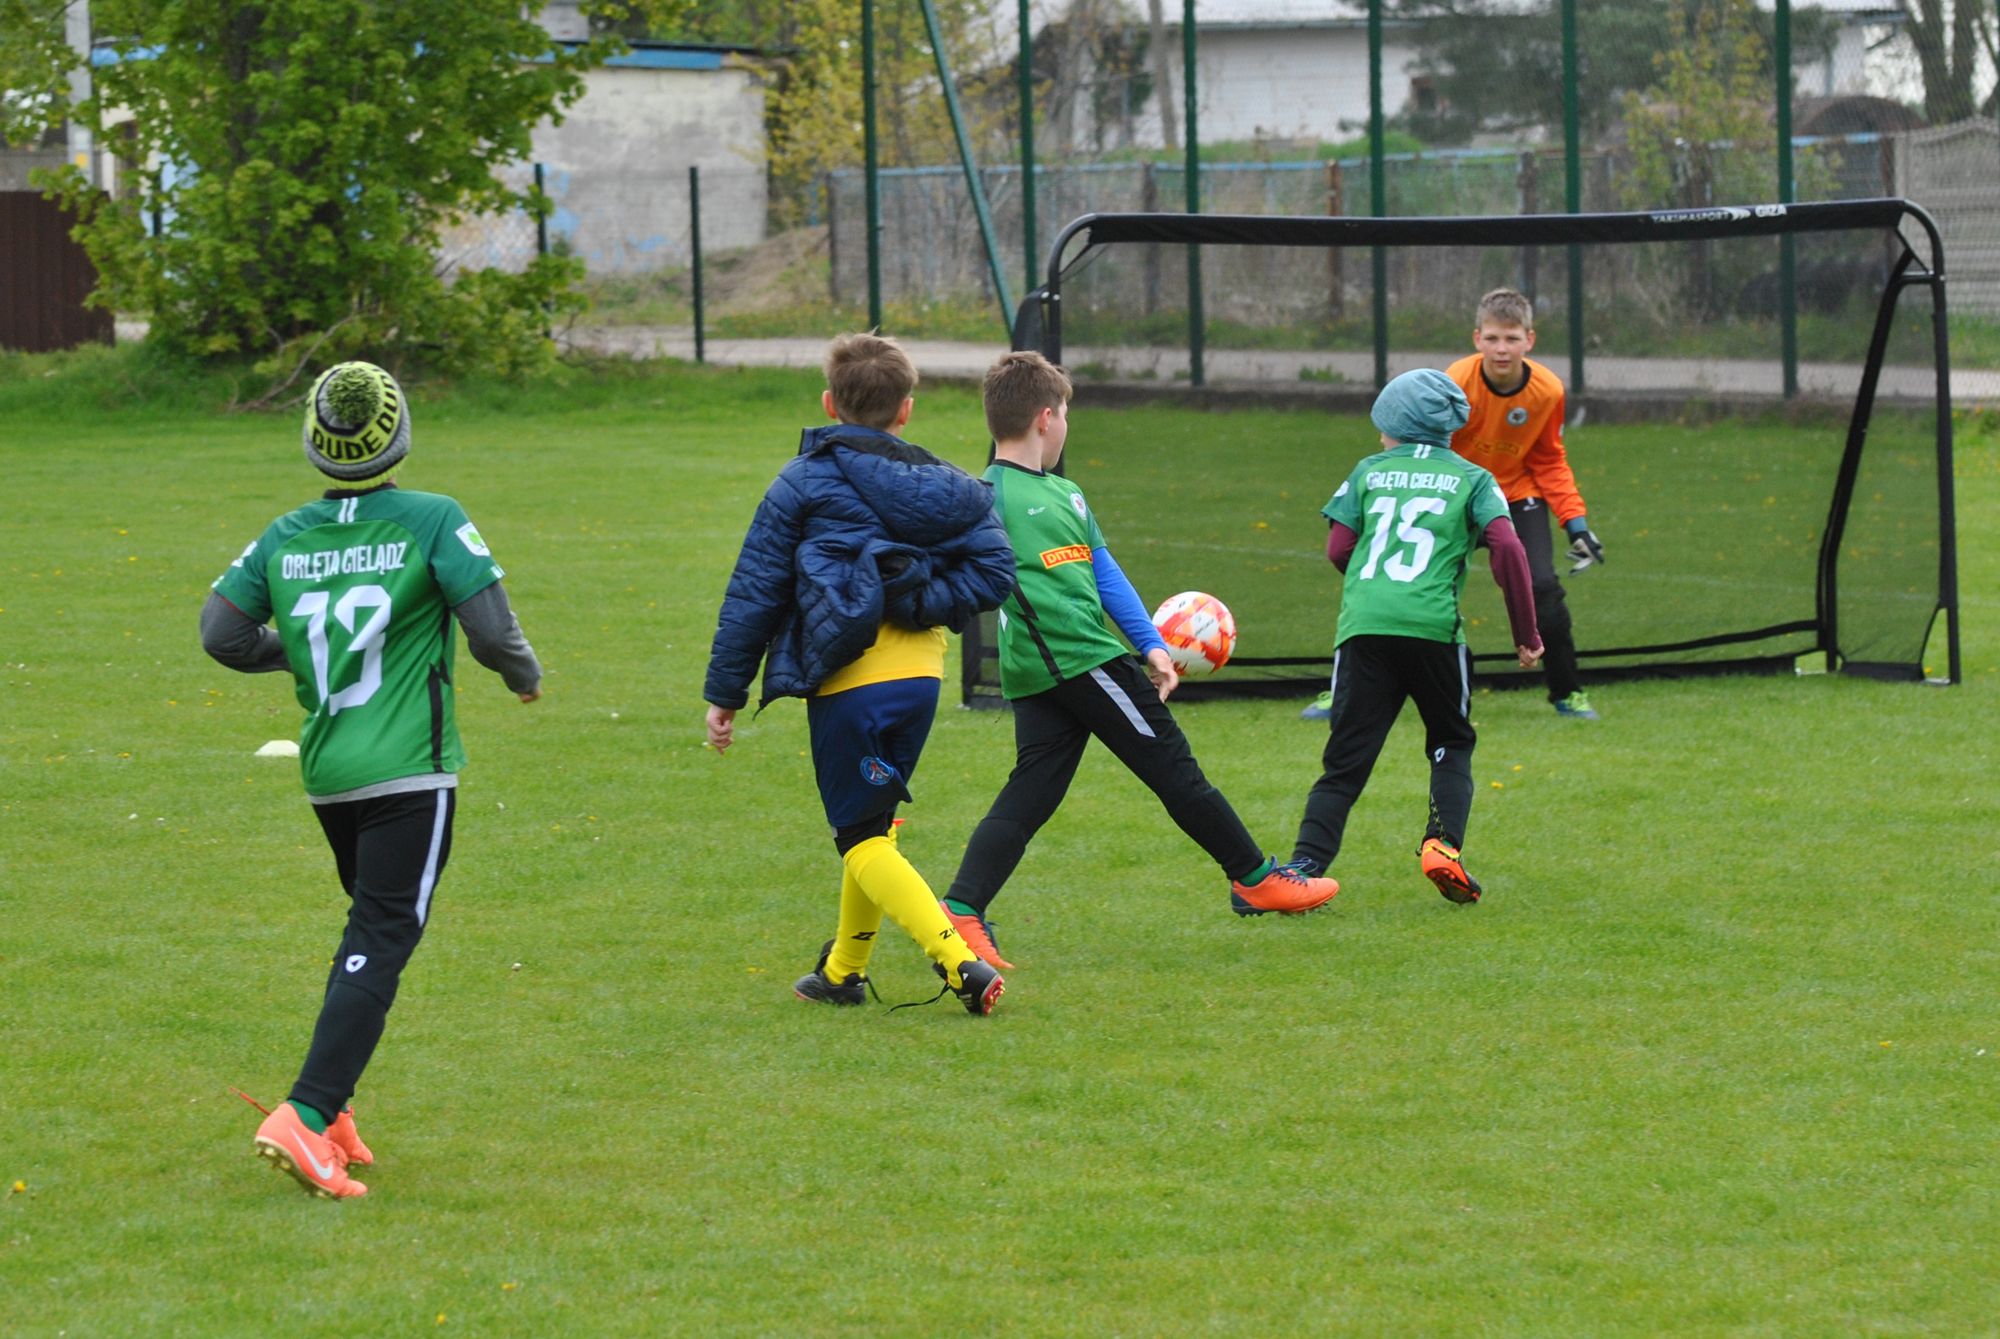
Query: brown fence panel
{"points": [[44, 278]]}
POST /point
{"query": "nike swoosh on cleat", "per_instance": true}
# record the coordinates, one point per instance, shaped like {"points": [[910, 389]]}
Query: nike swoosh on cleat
{"points": [[325, 1173]]}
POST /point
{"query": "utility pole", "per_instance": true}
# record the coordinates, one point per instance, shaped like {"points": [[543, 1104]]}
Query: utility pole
{"points": [[76, 31]]}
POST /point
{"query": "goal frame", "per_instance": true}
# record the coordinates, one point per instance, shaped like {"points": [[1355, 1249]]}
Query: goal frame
{"points": [[1038, 325]]}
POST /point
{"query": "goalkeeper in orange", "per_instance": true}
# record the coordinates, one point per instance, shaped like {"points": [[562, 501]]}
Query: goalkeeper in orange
{"points": [[1515, 434]]}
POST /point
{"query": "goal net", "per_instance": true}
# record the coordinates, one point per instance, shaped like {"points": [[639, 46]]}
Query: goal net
{"points": [[1762, 435]]}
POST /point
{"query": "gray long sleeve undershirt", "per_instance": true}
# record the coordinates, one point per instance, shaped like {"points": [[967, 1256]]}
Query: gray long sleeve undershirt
{"points": [[492, 634]]}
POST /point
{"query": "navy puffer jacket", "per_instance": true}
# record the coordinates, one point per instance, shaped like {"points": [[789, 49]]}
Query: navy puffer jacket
{"points": [[859, 527]]}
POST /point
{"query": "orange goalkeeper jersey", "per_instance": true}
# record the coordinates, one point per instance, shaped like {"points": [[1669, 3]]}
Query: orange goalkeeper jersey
{"points": [[1518, 437]]}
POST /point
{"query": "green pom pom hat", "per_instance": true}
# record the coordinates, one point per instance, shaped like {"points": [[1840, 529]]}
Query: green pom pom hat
{"points": [[357, 424]]}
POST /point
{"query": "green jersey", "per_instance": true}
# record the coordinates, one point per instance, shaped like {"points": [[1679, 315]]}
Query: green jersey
{"points": [[1419, 509], [362, 586], [1052, 627]]}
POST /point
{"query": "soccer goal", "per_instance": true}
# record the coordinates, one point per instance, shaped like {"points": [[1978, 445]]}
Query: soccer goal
{"points": [[1763, 437]]}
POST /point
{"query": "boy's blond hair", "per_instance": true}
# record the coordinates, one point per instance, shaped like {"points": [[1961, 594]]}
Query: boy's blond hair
{"points": [[1505, 306], [1018, 387], [869, 376]]}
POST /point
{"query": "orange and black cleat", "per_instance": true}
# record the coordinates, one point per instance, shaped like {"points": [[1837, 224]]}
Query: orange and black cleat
{"points": [[978, 936], [1443, 868], [1287, 890], [319, 1164]]}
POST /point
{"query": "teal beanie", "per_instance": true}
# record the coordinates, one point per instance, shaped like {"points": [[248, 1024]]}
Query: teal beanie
{"points": [[1421, 406]]}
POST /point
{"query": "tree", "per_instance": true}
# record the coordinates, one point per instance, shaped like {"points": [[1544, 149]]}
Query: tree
{"points": [[34, 66], [812, 101], [309, 155], [1503, 72], [1948, 39]]}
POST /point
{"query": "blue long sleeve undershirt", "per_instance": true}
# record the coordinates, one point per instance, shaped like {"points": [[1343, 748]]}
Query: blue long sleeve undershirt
{"points": [[1122, 602]]}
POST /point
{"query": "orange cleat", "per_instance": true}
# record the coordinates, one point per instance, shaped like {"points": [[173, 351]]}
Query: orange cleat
{"points": [[1287, 890], [343, 1133], [319, 1164], [978, 936], [1443, 868]]}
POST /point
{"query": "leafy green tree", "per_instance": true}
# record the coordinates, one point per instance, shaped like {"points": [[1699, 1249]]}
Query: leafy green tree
{"points": [[34, 65], [309, 156], [1503, 72]]}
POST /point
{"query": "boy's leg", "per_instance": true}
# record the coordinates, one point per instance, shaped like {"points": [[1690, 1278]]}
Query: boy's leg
{"points": [[398, 845], [1048, 744], [1367, 696], [866, 743], [1531, 522], [1123, 709], [1440, 680]]}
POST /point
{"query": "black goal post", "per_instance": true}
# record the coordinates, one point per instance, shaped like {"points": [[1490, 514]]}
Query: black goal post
{"points": [[1764, 444]]}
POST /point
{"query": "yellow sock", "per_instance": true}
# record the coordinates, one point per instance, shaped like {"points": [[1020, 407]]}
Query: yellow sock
{"points": [[854, 939], [893, 884]]}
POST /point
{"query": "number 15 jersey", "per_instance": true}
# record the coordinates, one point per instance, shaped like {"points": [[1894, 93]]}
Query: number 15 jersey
{"points": [[1419, 510], [362, 586]]}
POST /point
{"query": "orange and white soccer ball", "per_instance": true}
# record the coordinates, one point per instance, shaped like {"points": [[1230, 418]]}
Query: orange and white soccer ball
{"points": [[1199, 631]]}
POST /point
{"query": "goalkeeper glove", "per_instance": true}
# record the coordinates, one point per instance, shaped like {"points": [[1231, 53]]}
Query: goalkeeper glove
{"points": [[1585, 549]]}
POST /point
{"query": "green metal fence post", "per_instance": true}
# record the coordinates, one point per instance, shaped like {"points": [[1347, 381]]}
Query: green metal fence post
{"points": [[1028, 248], [694, 223], [871, 186], [1378, 191], [1197, 325], [972, 182], [1788, 307], [1573, 194]]}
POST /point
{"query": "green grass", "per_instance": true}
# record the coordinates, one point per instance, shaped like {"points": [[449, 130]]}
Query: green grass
{"points": [[1716, 1056]]}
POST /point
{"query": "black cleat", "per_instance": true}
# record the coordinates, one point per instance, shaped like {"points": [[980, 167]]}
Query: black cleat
{"points": [[982, 989], [818, 988]]}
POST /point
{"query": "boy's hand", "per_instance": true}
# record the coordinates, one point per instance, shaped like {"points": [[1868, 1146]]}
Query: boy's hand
{"points": [[532, 695], [721, 727], [1161, 670], [1585, 549], [1530, 655]]}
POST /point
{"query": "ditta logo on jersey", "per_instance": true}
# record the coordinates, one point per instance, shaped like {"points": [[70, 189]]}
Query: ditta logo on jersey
{"points": [[876, 772], [1068, 553]]}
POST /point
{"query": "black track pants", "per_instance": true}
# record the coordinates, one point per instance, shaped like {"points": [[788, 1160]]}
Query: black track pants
{"points": [[1532, 523], [1117, 704], [390, 852], [1372, 676]]}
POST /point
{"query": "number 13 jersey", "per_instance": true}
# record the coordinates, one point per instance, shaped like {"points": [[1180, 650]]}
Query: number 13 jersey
{"points": [[362, 586], [1419, 510]]}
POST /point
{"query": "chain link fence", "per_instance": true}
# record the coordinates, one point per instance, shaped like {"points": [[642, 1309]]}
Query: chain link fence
{"points": [[1485, 105]]}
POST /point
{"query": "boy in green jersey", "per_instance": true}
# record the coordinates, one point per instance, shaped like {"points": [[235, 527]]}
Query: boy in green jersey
{"points": [[1070, 678], [364, 584], [1414, 511]]}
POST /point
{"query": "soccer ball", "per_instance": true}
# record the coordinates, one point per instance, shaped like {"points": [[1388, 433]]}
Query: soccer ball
{"points": [[1199, 631]]}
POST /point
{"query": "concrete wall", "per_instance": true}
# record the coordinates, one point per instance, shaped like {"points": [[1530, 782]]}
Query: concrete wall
{"points": [[1266, 83], [617, 168], [16, 164]]}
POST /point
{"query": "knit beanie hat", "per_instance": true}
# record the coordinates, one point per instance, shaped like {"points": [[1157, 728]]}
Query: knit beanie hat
{"points": [[357, 423], [1421, 406]]}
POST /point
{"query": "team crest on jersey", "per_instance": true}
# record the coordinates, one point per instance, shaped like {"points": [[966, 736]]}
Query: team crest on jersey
{"points": [[470, 538], [876, 772], [1517, 416], [1076, 501]]}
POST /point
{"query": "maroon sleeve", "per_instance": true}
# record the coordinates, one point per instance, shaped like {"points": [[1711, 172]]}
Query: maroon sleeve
{"points": [[1340, 542], [1510, 573]]}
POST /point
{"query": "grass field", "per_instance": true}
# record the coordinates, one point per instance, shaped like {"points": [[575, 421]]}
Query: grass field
{"points": [[1717, 1055]]}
